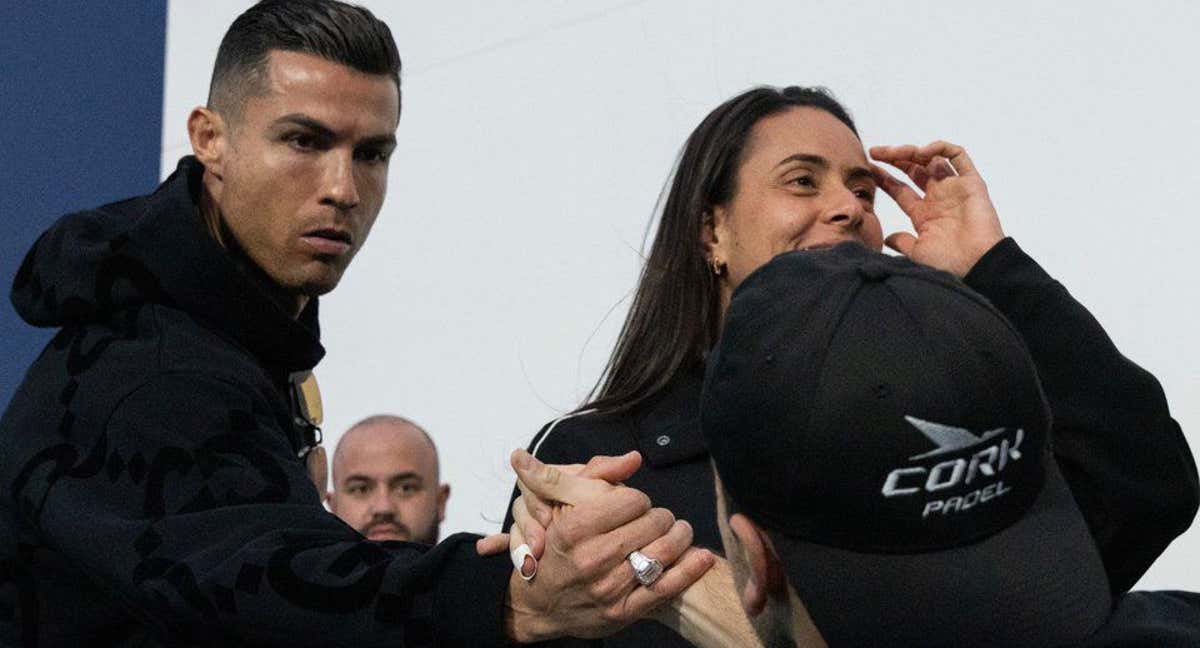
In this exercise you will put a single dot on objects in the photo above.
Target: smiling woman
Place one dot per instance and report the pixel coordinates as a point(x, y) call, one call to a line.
point(804, 183)
point(775, 170)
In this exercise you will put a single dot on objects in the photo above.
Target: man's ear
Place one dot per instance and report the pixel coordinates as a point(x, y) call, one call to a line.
point(766, 579)
point(443, 495)
point(209, 135)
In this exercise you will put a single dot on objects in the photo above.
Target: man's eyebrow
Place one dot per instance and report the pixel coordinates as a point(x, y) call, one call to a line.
point(300, 119)
point(404, 476)
point(383, 141)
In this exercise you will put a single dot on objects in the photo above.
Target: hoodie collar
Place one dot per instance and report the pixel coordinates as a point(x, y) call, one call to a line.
point(198, 275)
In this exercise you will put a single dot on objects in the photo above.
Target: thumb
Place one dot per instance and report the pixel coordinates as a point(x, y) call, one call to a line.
point(492, 545)
point(550, 483)
point(901, 242)
point(612, 469)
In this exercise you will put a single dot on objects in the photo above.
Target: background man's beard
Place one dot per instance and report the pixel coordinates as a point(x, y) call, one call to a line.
point(430, 537)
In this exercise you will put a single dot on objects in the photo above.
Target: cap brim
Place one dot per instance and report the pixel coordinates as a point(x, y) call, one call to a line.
point(1038, 582)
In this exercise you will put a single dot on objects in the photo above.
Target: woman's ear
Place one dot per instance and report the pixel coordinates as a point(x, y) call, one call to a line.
point(714, 236)
point(766, 579)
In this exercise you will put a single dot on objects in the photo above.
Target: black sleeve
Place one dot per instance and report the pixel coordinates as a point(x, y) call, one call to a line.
point(1124, 457)
point(200, 521)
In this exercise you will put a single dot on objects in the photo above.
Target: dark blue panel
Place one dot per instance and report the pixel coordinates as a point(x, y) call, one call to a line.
point(81, 93)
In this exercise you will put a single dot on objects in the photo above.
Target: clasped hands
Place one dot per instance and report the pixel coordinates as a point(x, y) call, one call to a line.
point(580, 524)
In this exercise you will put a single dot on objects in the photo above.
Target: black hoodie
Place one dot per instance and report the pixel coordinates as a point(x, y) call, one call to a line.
point(150, 487)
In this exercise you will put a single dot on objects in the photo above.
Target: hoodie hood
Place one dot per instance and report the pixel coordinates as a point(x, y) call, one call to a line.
point(90, 266)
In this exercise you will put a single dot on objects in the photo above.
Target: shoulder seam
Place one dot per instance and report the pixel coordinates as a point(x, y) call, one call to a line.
point(554, 424)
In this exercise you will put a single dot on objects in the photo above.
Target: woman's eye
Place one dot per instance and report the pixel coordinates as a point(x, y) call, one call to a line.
point(865, 194)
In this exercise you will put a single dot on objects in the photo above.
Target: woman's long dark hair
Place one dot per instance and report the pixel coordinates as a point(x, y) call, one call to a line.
point(675, 315)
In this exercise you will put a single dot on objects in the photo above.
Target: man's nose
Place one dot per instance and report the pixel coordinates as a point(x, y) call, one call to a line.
point(341, 188)
point(380, 502)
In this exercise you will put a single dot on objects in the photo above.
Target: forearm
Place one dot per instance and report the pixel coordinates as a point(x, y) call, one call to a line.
point(709, 613)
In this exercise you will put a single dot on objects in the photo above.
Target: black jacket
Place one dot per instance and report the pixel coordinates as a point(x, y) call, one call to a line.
point(150, 487)
point(1124, 457)
point(1151, 620)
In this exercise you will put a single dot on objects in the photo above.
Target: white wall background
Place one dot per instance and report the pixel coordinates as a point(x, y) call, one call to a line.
point(537, 134)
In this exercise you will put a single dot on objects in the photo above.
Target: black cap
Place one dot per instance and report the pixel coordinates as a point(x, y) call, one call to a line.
point(886, 425)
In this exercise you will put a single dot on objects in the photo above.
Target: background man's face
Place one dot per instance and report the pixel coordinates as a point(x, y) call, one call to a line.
point(385, 483)
point(305, 170)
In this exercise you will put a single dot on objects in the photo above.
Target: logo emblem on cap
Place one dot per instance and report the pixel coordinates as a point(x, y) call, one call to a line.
point(947, 437)
point(985, 465)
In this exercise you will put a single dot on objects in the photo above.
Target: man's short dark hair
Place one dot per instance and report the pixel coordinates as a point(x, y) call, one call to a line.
point(332, 30)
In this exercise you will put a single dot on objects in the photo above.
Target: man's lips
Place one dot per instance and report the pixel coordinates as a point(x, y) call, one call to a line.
point(389, 530)
point(328, 241)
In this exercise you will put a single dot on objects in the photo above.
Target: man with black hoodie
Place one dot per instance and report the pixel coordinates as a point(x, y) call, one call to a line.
point(153, 488)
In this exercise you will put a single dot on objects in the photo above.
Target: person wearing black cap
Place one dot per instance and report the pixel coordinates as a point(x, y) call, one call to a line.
point(885, 476)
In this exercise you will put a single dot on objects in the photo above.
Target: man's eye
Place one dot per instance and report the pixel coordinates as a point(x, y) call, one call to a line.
point(373, 155)
point(865, 194)
point(804, 181)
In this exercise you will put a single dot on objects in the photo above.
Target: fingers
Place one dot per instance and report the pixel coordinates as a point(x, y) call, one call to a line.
point(538, 508)
point(925, 154)
point(893, 154)
point(522, 557)
point(552, 484)
point(622, 518)
point(668, 548)
point(620, 578)
point(905, 196)
point(901, 242)
point(915, 172)
point(686, 571)
point(613, 469)
point(533, 533)
point(492, 545)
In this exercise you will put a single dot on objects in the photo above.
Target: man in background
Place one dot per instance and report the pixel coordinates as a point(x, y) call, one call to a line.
point(386, 481)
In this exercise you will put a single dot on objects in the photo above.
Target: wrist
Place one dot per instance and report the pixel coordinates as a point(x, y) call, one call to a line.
point(521, 625)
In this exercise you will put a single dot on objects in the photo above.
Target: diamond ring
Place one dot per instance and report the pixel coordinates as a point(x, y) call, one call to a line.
point(646, 569)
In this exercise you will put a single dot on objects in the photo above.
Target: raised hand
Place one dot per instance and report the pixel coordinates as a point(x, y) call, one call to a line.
point(955, 221)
